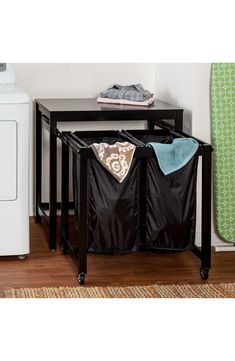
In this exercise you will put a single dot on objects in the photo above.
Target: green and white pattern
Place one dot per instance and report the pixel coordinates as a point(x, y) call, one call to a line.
point(223, 141)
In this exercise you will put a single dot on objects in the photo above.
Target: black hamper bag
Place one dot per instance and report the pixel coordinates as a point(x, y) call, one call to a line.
point(113, 207)
point(170, 208)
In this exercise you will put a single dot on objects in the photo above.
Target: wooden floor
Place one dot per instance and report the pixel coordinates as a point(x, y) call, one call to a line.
point(47, 268)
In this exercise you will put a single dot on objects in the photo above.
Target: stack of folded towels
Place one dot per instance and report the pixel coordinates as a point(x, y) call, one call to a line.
point(127, 94)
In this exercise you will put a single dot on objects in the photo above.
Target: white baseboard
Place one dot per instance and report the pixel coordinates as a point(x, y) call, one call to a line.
point(218, 244)
point(227, 248)
point(32, 210)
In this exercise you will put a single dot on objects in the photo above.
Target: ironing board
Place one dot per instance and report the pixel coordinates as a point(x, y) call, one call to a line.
point(223, 142)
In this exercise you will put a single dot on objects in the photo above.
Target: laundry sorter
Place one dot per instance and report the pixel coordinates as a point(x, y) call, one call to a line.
point(148, 211)
point(14, 163)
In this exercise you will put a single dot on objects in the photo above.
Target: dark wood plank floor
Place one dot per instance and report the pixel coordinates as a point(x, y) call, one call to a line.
point(47, 268)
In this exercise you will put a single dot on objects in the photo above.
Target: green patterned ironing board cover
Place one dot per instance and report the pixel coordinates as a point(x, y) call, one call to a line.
point(223, 142)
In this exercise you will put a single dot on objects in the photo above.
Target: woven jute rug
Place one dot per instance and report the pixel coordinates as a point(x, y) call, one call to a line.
point(221, 290)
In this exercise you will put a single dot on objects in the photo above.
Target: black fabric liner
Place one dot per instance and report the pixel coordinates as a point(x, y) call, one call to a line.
point(170, 217)
point(113, 207)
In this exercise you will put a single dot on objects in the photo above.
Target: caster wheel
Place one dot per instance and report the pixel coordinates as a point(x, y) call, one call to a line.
point(64, 251)
point(204, 272)
point(81, 278)
point(38, 219)
point(22, 257)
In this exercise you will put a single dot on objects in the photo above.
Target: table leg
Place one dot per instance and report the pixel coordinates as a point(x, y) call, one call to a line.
point(53, 185)
point(150, 124)
point(206, 209)
point(179, 120)
point(38, 162)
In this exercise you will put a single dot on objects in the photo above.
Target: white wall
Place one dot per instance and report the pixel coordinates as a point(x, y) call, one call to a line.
point(174, 85)
point(201, 125)
point(76, 80)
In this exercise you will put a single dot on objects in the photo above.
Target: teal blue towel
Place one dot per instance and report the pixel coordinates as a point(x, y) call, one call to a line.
point(174, 156)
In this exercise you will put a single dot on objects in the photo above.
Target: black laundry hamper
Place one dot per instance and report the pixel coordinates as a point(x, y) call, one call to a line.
point(147, 211)
point(170, 200)
point(113, 208)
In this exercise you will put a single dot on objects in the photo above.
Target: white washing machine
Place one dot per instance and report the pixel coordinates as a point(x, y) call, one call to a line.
point(14, 165)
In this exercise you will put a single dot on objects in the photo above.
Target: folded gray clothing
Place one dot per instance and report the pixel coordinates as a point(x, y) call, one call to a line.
point(135, 92)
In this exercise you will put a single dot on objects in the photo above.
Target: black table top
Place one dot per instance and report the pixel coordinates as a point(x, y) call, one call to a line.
point(60, 105)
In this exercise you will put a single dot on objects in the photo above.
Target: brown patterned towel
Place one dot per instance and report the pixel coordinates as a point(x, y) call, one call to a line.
point(116, 158)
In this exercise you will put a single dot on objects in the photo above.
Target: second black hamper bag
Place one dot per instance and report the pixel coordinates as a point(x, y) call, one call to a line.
point(170, 206)
point(113, 207)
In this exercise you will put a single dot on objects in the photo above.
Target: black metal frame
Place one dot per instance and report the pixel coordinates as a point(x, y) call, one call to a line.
point(71, 141)
point(46, 117)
